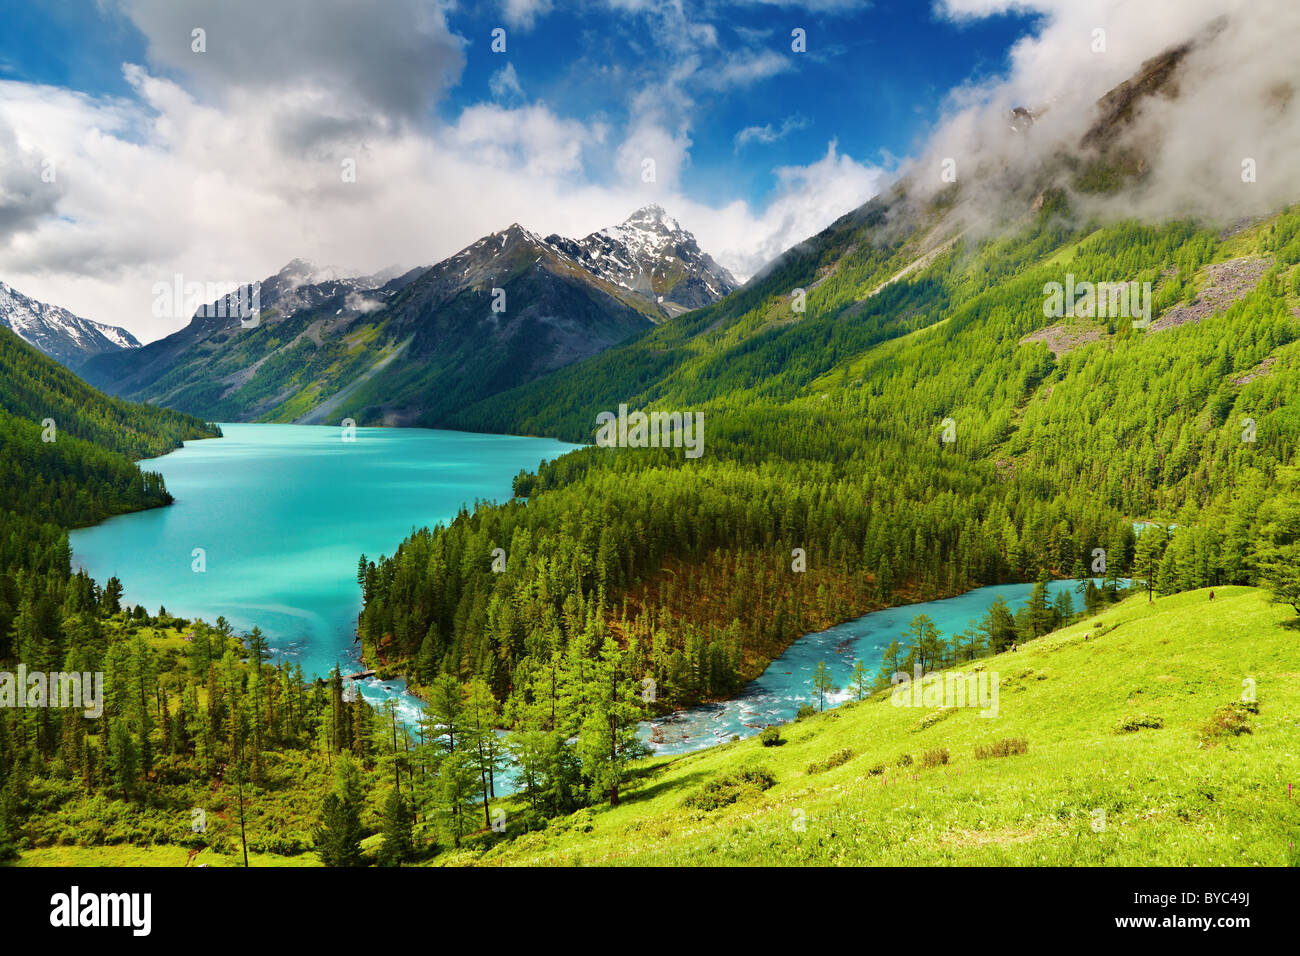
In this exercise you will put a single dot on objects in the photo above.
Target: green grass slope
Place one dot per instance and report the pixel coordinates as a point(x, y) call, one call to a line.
point(1170, 796)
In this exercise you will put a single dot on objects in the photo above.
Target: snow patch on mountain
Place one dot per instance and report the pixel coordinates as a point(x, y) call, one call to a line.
point(651, 254)
point(66, 337)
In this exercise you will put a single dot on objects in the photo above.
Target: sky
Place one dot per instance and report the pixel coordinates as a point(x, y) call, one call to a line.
point(141, 139)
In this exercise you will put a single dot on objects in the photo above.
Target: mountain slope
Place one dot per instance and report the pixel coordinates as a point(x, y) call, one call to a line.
point(650, 253)
point(418, 347)
point(1173, 796)
point(887, 269)
point(66, 460)
point(33, 387)
point(157, 370)
point(68, 338)
point(456, 345)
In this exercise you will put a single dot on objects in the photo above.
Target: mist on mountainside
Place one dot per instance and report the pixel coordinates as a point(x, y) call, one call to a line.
point(1152, 111)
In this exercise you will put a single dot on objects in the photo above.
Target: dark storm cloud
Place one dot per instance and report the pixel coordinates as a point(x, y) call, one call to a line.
point(29, 190)
point(394, 58)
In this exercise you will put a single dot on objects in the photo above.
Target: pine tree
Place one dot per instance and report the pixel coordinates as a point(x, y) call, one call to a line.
point(1039, 612)
point(399, 845)
point(338, 835)
point(426, 661)
point(125, 757)
point(999, 627)
point(111, 599)
point(925, 644)
point(1146, 561)
point(457, 785)
point(482, 711)
point(1278, 552)
point(608, 742)
point(823, 684)
point(861, 680)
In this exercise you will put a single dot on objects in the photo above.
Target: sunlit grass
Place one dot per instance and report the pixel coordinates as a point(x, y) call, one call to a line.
point(1081, 795)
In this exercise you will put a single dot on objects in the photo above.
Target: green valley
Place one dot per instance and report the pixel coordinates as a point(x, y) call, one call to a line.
point(1212, 785)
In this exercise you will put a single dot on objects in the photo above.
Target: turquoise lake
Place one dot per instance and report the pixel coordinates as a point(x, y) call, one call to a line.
point(284, 511)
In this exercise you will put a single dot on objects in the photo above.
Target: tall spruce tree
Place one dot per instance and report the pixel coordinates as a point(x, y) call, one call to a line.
point(399, 842)
point(608, 742)
point(338, 834)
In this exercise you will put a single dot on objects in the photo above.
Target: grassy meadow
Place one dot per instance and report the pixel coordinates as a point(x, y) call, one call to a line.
point(1214, 785)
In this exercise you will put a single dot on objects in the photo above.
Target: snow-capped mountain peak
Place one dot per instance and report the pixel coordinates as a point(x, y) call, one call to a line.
point(652, 218)
point(58, 333)
point(651, 254)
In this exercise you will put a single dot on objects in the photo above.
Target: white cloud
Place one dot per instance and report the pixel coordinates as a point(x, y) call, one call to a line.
point(504, 84)
point(745, 69)
point(530, 139)
point(1237, 98)
point(766, 134)
point(389, 61)
point(523, 14)
point(806, 201)
point(652, 158)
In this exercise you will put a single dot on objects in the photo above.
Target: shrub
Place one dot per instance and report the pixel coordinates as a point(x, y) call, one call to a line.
point(935, 757)
point(726, 789)
point(771, 736)
point(1230, 720)
point(834, 760)
point(904, 760)
point(877, 770)
point(805, 710)
point(579, 820)
point(932, 718)
point(1128, 725)
point(1006, 747)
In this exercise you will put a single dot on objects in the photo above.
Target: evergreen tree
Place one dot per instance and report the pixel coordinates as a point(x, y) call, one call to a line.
point(1278, 552)
point(457, 786)
point(823, 684)
point(998, 627)
point(1039, 612)
point(399, 844)
point(925, 645)
point(608, 742)
point(1146, 561)
point(481, 712)
point(338, 835)
point(861, 678)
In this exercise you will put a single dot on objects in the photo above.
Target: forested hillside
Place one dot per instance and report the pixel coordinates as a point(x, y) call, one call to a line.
point(825, 431)
point(66, 455)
